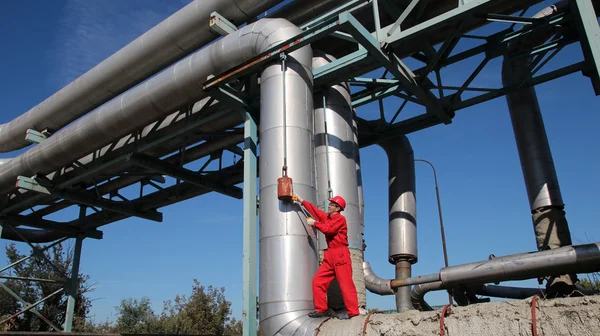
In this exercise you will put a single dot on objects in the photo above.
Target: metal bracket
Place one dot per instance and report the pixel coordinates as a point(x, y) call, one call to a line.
point(220, 25)
point(36, 137)
point(32, 184)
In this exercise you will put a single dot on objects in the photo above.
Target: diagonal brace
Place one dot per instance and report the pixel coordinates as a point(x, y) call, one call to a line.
point(16, 220)
point(27, 305)
point(185, 175)
point(42, 184)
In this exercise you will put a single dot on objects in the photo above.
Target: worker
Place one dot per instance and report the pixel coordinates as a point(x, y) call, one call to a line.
point(336, 260)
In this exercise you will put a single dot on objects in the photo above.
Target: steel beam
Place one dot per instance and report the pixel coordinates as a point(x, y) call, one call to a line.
point(27, 304)
point(589, 37)
point(221, 25)
point(74, 280)
point(164, 197)
point(402, 128)
point(185, 175)
point(35, 137)
point(250, 226)
point(42, 184)
point(33, 221)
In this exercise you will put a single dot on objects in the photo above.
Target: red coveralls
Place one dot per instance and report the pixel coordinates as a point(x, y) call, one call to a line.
point(336, 261)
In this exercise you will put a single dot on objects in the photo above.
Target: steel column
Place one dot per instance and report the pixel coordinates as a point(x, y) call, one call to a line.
point(589, 35)
point(74, 281)
point(250, 214)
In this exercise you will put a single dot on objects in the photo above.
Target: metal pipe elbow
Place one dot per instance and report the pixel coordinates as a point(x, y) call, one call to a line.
point(376, 284)
point(417, 294)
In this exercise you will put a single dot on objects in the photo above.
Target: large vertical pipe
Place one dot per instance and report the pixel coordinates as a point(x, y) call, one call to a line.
point(288, 252)
point(335, 155)
point(550, 224)
point(402, 213)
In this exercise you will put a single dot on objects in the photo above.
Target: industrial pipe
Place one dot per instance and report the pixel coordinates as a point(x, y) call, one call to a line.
point(374, 283)
point(417, 294)
point(550, 224)
point(284, 238)
point(402, 213)
point(175, 37)
point(568, 259)
point(336, 157)
point(136, 108)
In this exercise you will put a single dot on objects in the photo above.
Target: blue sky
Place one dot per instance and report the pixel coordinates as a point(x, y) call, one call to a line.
point(46, 45)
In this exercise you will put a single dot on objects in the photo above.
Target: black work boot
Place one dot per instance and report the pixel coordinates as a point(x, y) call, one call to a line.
point(317, 314)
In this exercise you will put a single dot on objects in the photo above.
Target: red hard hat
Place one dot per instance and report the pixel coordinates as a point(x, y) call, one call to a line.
point(339, 201)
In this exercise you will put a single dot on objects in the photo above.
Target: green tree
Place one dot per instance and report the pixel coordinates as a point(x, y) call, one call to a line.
point(136, 317)
point(57, 269)
point(206, 311)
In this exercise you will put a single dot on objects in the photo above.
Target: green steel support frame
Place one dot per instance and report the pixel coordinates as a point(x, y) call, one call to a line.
point(249, 306)
point(74, 280)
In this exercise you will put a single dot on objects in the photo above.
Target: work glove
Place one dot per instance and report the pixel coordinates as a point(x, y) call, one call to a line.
point(297, 199)
point(310, 221)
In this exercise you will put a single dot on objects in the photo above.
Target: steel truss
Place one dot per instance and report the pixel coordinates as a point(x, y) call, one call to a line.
point(142, 159)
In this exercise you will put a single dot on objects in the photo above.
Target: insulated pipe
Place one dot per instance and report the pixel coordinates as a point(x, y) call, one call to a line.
point(335, 155)
point(550, 224)
point(532, 142)
point(288, 249)
point(157, 97)
point(402, 213)
point(174, 124)
point(374, 283)
point(508, 292)
point(298, 12)
point(402, 200)
point(4, 161)
point(567, 259)
point(417, 294)
point(175, 37)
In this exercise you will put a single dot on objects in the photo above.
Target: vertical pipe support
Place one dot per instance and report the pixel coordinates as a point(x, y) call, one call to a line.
point(376, 20)
point(74, 280)
point(402, 213)
point(539, 173)
point(250, 213)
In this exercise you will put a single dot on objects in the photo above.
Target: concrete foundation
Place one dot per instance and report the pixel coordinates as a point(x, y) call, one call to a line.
point(564, 316)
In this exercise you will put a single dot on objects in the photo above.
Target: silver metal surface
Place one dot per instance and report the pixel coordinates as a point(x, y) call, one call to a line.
point(402, 200)
point(177, 36)
point(142, 105)
point(299, 12)
point(417, 294)
point(336, 156)
point(508, 292)
point(528, 125)
point(403, 271)
point(374, 283)
point(563, 260)
point(288, 251)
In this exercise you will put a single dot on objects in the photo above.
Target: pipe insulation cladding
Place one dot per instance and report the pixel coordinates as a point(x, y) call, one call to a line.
point(402, 202)
point(164, 93)
point(172, 39)
point(336, 172)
